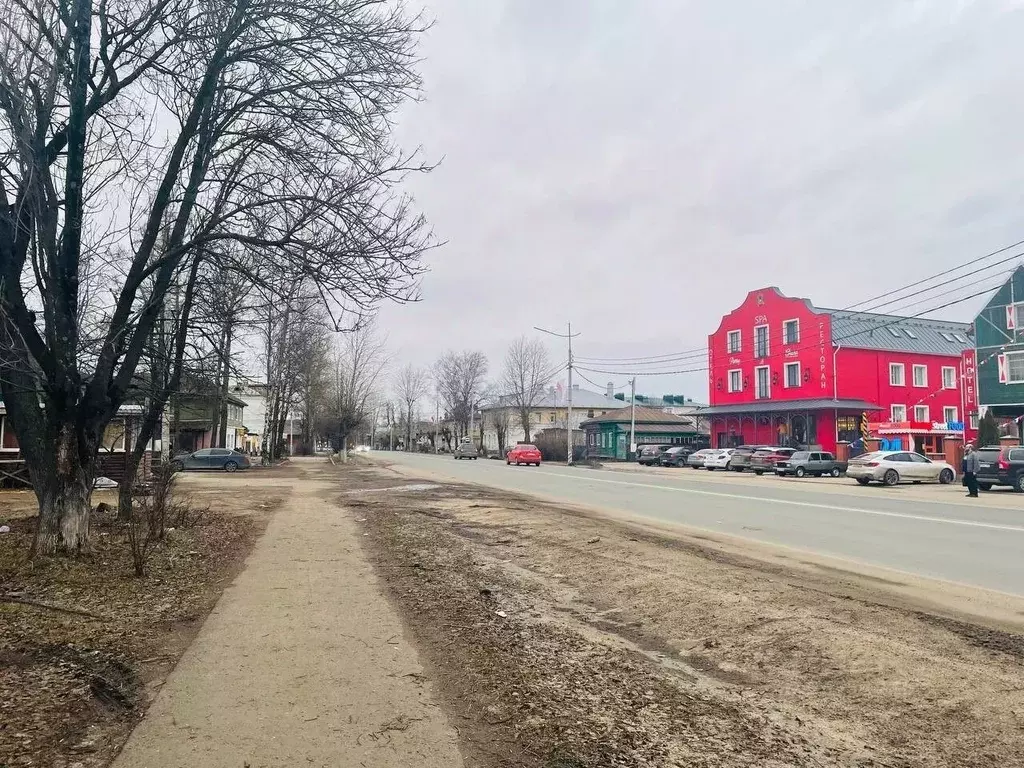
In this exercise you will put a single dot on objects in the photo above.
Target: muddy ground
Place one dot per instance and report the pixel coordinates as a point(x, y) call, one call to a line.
point(560, 639)
point(84, 643)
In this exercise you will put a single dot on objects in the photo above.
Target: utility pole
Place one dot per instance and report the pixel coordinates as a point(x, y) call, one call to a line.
point(568, 415)
point(437, 423)
point(632, 416)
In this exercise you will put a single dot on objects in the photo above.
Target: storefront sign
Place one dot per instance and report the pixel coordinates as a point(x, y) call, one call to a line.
point(917, 427)
point(821, 354)
point(969, 380)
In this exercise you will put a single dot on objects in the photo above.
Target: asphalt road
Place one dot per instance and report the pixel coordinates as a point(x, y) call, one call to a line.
point(926, 531)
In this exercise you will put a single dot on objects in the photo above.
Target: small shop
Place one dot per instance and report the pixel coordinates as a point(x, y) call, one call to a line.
point(924, 437)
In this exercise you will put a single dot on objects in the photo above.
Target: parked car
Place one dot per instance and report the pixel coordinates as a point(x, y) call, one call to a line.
point(1000, 466)
point(814, 463)
point(210, 458)
point(893, 467)
point(675, 456)
point(765, 459)
point(741, 457)
point(721, 459)
point(466, 451)
point(650, 455)
point(696, 459)
point(524, 453)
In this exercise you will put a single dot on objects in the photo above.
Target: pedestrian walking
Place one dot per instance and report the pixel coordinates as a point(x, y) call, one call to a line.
point(971, 464)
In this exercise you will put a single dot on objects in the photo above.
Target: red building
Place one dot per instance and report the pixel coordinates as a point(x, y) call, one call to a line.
point(784, 372)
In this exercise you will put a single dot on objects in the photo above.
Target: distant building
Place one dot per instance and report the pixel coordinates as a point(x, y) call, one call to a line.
point(607, 436)
point(549, 413)
point(783, 371)
point(998, 362)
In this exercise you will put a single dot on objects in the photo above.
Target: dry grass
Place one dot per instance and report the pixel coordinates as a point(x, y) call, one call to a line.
point(77, 674)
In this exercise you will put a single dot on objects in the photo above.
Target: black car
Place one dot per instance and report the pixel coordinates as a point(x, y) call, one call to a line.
point(1001, 466)
point(675, 456)
point(649, 455)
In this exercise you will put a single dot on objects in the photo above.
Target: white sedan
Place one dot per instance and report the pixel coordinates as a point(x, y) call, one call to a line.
point(894, 467)
point(718, 459)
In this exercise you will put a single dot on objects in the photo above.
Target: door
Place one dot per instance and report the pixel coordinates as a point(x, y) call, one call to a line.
point(620, 451)
point(817, 463)
point(218, 456)
point(922, 468)
point(199, 459)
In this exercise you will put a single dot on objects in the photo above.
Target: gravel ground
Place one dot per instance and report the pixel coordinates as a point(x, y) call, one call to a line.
point(561, 639)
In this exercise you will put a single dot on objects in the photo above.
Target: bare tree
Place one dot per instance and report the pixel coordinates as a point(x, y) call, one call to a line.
point(500, 418)
point(137, 136)
point(527, 371)
point(411, 386)
point(460, 383)
point(359, 363)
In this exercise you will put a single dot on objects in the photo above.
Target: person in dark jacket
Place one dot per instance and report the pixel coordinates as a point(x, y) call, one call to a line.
point(971, 464)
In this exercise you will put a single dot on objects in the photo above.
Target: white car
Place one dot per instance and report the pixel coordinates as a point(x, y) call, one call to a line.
point(720, 459)
point(894, 467)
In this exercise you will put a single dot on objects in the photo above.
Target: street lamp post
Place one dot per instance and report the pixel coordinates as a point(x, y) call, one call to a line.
point(568, 415)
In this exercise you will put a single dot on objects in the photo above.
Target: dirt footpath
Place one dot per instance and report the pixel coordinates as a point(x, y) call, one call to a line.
point(560, 639)
point(302, 663)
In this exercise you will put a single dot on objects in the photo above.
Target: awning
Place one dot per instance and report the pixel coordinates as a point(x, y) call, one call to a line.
point(916, 428)
point(788, 406)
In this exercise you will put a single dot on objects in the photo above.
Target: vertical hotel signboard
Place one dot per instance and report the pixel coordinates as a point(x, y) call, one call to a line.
point(969, 386)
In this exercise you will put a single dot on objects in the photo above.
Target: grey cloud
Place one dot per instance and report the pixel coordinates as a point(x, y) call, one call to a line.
point(638, 167)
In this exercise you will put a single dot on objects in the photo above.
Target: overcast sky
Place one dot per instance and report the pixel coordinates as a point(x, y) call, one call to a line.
point(638, 167)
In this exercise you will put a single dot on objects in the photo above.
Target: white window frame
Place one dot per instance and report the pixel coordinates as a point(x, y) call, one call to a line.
point(785, 375)
point(739, 342)
point(972, 420)
point(768, 381)
point(903, 375)
point(913, 375)
point(921, 409)
point(945, 414)
point(951, 370)
point(4, 423)
point(787, 322)
point(892, 412)
point(1009, 378)
point(767, 342)
point(739, 377)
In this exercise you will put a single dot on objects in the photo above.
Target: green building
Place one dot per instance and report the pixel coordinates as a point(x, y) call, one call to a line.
point(607, 436)
point(999, 351)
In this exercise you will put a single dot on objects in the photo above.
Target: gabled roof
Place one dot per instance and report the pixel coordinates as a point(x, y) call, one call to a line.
point(867, 330)
point(643, 416)
point(581, 398)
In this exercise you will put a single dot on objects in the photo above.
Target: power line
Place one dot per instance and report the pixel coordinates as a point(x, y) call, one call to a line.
point(682, 356)
point(890, 321)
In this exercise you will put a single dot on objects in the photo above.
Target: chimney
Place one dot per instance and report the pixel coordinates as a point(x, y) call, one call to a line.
point(610, 392)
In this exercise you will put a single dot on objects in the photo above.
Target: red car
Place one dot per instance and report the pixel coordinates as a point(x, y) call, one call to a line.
point(523, 454)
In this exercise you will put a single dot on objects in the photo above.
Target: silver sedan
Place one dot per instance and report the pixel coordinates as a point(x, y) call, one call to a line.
point(894, 467)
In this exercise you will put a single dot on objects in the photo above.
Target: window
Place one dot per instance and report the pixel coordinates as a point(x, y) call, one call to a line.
point(791, 332)
point(551, 418)
point(760, 341)
point(762, 375)
point(948, 377)
point(113, 436)
point(947, 336)
point(736, 380)
point(590, 414)
point(9, 441)
point(921, 413)
point(949, 414)
point(1014, 368)
point(959, 338)
point(920, 375)
point(894, 332)
point(898, 413)
point(896, 375)
point(734, 343)
point(910, 333)
point(792, 374)
point(1016, 454)
point(973, 419)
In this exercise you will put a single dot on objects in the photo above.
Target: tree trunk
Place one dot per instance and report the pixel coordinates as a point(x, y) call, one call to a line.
point(224, 389)
point(65, 498)
point(524, 418)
